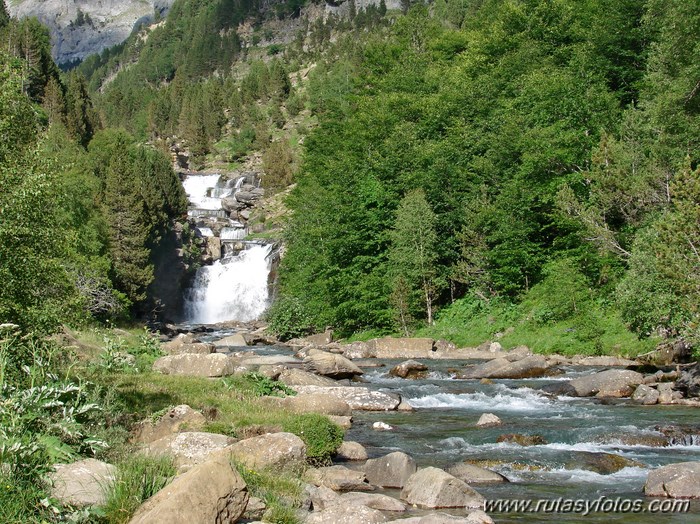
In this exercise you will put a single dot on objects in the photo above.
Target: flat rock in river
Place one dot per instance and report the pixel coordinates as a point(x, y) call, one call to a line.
point(331, 365)
point(527, 367)
point(434, 488)
point(361, 398)
point(213, 365)
point(680, 480)
point(609, 383)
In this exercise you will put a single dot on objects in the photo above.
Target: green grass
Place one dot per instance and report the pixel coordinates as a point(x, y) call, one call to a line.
point(592, 330)
point(20, 501)
point(138, 478)
point(283, 493)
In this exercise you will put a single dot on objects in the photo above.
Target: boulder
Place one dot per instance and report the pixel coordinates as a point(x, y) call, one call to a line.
point(320, 403)
point(409, 369)
point(382, 426)
point(665, 390)
point(178, 419)
point(321, 496)
point(180, 340)
point(527, 367)
point(518, 353)
point(350, 450)
point(235, 340)
point(389, 347)
point(273, 450)
point(679, 481)
point(522, 440)
point(331, 365)
point(320, 339)
point(601, 463)
point(689, 381)
point(188, 449)
point(390, 471)
point(358, 350)
point(371, 500)
point(214, 365)
point(271, 371)
point(487, 420)
point(210, 492)
point(645, 395)
point(343, 422)
point(680, 435)
point(299, 377)
point(81, 483)
point(361, 398)
point(609, 383)
point(346, 513)
point(338, 478)
point(435, 488)
point(472, 474)
point(604, 361)
point(255, 509)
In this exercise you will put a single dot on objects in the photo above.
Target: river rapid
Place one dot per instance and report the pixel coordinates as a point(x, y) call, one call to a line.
point(442, 431)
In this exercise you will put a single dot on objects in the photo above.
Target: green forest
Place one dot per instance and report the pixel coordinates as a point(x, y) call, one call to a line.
point(471, 170)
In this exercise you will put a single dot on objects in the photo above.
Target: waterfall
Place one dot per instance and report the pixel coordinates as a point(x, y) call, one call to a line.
point(234, 288)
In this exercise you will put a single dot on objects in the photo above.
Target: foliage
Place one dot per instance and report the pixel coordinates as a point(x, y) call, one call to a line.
point(282, 492)
point(262, 386)
point(288, 318)
point(138, 478)
point(321, 436)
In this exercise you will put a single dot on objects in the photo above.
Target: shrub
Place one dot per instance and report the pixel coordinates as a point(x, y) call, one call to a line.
point(321, 436)
point(288, 318)
point(281, 492)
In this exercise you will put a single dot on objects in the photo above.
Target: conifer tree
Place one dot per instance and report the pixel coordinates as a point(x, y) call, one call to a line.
point(4, 14)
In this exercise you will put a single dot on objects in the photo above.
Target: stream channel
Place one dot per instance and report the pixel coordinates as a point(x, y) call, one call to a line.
point(442, 431)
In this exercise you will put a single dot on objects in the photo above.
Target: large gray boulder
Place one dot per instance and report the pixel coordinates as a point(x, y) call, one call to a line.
point(299, 377)
point(390, 347)
point(350, 451)
point(274, 451)
point(390, 471)
point(409, 369)
point(320, 403)
point(361, 398)
point(371, 500)
point(528, 367)
point(474, 517)
point(435, 488)
point(338, 478)
point(210, 492)
point(179, 419)
point(645, 395)
point(689, 381)
point(214, 365)
point(346, 513)
point(331, 365)
point(609, 383)
point(472, 474)
point(235, 340)
point(678, 481)
point(189, 449)
point(81, 483)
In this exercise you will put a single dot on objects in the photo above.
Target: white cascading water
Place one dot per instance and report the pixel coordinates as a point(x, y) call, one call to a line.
point(236, 286)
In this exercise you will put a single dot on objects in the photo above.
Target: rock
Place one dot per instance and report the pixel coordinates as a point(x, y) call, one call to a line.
point(487, 420)
point(560, 388)
point(350, 450)
point(371, 500)
point(331, 365)
point(299, 377)
point(650, 440)
point(361, 398)
point(435, 488)
point(601, 463)
point(604, 361)
point(180, 340)
point(346, 513)
point(381, 426)
point(472, 474)
point(320, 403)
point(665, 390)
point(689, 381)
point(255, 509)
point(444, 346)
point(275, 451)
point(320, 339)
point(474, 517)
point(409, 369)
point(338, 478)
point(197, 348)
point(522, 440)
point(321, 496)
point(210, 492)
point(343, 422)
point(527, 367)
point(518, 353)
point(190, 448)
point(389, 347)
point(491, 347)
point(645, 395)
point(610, 383)
point(235, 340)
point(81, 483)
point(680, 435)
point(405, 406)
point(358, 350)
point(214, 365)
point(178, 419)
point(390, 471)
point(680, 480)
point(271, 371)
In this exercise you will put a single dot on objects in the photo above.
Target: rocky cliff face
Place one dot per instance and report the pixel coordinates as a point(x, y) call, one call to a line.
point(82, 27)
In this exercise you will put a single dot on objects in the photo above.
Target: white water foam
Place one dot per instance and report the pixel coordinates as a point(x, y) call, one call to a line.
point(521, 400)
point(234, 288)
point(199, 189)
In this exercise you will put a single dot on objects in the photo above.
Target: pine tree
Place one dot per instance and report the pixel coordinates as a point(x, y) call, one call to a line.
point(81, 119)
point(4, 14)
